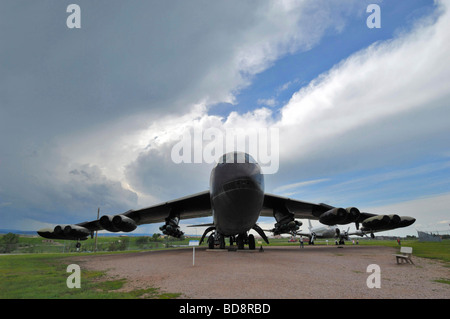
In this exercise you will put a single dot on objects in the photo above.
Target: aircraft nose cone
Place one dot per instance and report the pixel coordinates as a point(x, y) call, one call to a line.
point(237, 210)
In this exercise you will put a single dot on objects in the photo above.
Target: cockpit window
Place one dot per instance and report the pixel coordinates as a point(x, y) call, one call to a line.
point(236, 157)
point(249, 159)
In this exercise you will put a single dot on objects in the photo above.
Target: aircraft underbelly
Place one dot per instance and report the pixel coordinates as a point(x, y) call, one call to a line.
point(236, 211)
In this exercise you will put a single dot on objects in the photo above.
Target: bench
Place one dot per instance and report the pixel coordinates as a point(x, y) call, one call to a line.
point(405, 256)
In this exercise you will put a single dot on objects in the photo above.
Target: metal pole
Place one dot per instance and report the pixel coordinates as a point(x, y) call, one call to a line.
point(98, 214)
point(193, 256)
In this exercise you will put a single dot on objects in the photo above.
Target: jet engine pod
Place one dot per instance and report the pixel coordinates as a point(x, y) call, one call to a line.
point(106, 222)
point(406, 221)
point(76, 231)
point(59, 229)
point(333, 216)
point(376, 222)
point(352, 215)
point(124, 223)
point(394, 220)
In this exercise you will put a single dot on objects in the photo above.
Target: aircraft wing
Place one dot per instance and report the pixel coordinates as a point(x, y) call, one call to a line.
point(300, 209)
point(286, 209)
point(193, 206)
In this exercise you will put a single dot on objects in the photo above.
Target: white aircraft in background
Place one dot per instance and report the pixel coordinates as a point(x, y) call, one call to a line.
point(325, 232)
point(339, 235)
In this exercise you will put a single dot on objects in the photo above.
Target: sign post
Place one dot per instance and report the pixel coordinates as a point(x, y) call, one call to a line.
point(193, 243)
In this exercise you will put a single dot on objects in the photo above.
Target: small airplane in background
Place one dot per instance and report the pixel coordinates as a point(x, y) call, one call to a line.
point(326, 231)
point(333, 231)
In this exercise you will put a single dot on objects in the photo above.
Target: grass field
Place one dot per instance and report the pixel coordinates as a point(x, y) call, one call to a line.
point(44, 275)
point(34, 244)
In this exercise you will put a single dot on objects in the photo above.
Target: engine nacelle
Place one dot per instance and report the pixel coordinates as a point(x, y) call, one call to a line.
point(333, 216)
point(124, 223)
point(51, 234)
point(117, 223)
point(387, 222)
point(352, 215)
point(406, 221)
point(106, 222)
point(59, 229)
point(381, 221)
point(394, 220)
point(76, 231)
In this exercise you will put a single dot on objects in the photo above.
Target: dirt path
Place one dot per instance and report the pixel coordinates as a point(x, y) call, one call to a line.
point(278, 272)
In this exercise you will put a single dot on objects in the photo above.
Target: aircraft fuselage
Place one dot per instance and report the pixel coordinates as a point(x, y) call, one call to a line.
point(237, 193)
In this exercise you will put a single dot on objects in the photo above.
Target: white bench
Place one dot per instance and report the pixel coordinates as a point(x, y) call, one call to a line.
point(405, 256)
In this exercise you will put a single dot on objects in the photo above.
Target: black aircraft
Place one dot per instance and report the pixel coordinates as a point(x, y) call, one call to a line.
point(236, 200)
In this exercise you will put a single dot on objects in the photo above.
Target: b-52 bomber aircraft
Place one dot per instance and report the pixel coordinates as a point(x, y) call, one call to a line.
point(236, 200)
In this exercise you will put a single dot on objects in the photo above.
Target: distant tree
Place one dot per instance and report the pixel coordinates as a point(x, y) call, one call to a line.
point(156, 236)
point(8, 242)
point(123, 244)
point(113, 246)
point(142, 241)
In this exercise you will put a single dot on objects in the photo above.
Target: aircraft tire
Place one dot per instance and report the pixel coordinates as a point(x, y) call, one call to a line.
point(222, 242)
point(240, 242)
point(211, 241)
point(251, 242)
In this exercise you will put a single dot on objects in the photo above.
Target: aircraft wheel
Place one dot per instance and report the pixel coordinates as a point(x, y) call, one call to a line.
point(240, 242)
point(211, 241)
point(222, 242)
point(251, 242)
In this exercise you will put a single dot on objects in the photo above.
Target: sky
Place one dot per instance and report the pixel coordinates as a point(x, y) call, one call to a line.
point(89, 116)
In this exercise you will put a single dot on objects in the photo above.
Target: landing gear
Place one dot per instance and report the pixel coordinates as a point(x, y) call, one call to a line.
point(216, 239)
point(221, 242)
point(251, 242)
point(78, 245)
point(211, 241)
point(240, 241)
point(243, 239)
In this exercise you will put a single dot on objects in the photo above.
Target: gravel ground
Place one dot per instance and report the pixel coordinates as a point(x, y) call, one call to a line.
point(278, 272)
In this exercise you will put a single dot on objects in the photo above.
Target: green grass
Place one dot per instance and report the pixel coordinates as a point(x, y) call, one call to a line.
point(443, 281)
point(432, 250)
point(35, 244)
point(44, 276)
